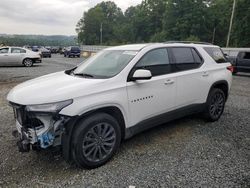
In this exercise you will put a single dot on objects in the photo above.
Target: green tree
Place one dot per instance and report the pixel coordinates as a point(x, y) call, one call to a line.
point(241, 24)
point(106, 14)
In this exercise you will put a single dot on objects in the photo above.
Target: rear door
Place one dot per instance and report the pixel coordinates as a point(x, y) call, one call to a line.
point(192, 79)
point(243, 63)
point(16, 56)
point(4, 56)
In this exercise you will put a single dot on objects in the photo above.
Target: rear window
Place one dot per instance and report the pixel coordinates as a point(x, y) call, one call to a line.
point(216, 54)
point(75, 48)
point(246, 55)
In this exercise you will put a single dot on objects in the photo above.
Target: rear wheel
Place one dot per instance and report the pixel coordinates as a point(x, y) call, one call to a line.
point(95, 140)
point(28, 62)
point(215, 105)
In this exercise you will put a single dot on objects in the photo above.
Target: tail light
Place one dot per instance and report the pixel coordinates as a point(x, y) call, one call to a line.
point(230, 68)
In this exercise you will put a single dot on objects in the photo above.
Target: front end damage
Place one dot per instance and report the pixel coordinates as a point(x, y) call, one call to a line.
point(38, 129)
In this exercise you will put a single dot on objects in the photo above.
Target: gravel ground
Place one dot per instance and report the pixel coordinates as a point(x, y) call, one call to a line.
point(183, 153)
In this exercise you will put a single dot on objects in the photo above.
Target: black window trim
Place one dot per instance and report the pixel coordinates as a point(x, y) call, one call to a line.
point(192, 47)
point(134, 67)
point(6, 48)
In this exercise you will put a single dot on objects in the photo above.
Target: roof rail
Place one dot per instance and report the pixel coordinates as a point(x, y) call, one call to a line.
point(189, 42)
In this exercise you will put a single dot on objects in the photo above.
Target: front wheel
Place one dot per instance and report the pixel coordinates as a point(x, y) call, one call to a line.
point(215, 104)
point(27, 62)
point(95, 140)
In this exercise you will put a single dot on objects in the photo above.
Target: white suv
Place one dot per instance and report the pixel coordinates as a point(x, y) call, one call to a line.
point(117, 93)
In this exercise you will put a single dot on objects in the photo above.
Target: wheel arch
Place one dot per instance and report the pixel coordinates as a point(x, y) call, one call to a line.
point(223, 85)
point(114, 111)
point(27, 58)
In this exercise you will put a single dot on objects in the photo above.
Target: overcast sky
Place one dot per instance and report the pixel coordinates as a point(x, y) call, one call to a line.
point(48, 17)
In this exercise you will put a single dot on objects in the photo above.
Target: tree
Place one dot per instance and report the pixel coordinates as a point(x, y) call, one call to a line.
point(106, 14)
point(241, 24)
point(163, 20)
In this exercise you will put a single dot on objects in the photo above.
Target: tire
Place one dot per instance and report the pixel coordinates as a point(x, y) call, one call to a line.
point(28, 62)
point(90, 150)
point(215, 105)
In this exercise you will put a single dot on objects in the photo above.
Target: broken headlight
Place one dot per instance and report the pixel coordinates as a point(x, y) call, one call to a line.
point(49, 107)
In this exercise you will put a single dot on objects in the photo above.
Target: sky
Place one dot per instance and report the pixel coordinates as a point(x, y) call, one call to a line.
point(47, 17)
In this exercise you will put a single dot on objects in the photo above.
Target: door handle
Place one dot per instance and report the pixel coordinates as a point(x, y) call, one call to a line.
point(169, 82)
point(205, 74)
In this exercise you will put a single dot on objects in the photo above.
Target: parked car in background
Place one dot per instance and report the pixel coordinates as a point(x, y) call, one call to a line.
point(241, 62)
point(45, 52)
point(72, 51)
point(62, 50)
point(54, 50)
point(48, 48)
point(35, 48)
point(10, 56)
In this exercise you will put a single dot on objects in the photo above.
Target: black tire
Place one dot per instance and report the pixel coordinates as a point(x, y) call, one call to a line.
point(28, 62)
point(215, 105)
point(95, 140)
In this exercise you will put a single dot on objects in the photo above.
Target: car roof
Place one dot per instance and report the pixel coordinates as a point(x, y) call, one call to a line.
point(138, 47)
point(134, 47)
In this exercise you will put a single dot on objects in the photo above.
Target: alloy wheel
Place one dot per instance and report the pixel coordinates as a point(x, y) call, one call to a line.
point(99, 142)
point(217, 105)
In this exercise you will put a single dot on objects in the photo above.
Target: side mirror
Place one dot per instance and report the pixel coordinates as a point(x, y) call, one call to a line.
point(141, 74)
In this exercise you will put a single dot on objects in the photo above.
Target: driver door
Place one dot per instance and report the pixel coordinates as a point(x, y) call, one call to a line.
point(149, 98)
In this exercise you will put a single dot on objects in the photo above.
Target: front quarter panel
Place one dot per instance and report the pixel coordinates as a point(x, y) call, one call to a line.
point(116, 97)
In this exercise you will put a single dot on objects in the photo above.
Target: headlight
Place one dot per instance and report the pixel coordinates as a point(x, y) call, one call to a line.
point(50, 107)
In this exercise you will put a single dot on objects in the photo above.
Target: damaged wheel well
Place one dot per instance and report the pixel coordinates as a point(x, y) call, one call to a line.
point(71, 126)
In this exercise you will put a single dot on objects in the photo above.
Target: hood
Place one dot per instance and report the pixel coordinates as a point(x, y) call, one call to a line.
point(53, 88)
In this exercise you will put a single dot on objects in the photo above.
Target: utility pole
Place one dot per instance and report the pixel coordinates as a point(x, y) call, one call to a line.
point(101, 34)
point(213, 35)
point(231, 23)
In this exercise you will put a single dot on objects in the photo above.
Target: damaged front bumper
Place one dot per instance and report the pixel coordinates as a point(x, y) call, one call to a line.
point(38, 130)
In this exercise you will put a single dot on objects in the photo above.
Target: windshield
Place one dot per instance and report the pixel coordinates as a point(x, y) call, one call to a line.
point(105, 64)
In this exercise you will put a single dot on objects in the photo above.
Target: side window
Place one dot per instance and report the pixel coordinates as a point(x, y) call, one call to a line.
point(157, 61)
point(4, 50)
point(216, 54)
point(17, 50)
point(186, 58)
point(197, 57)
point(246, 55)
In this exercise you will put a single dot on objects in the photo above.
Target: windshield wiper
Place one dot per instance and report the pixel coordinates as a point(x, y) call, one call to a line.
point(84, 75)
